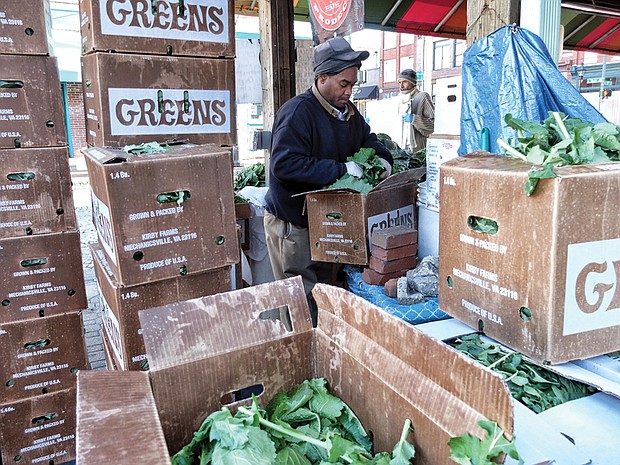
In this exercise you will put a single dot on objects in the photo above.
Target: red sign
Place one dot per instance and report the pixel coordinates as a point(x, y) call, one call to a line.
point(330, 14)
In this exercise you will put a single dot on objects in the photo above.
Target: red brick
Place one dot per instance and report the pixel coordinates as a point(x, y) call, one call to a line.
point(395, 253)
point(370, 276)
point(395, 236)
point(402, 264)
point(391, 288)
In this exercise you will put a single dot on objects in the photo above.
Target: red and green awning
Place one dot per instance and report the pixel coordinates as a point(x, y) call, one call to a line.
point(592, 25)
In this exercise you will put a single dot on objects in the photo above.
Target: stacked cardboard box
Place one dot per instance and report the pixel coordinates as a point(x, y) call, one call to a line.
point(165, 221)
point(41, 278)
point(393, 253)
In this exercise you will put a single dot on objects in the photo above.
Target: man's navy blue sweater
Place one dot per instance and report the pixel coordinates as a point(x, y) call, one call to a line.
point(309, 147)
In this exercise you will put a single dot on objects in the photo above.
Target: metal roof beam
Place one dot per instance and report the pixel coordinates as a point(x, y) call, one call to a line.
point(604, 36)
point(447, 17)
point(597, 10)
point(391, 12)
point(579, 28)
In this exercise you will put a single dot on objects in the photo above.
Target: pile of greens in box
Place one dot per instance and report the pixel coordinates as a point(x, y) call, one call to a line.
point(560, 141)
point(307, 426)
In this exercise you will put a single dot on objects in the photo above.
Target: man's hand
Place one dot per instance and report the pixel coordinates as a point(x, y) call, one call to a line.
point(388, 168)
point(354, 169)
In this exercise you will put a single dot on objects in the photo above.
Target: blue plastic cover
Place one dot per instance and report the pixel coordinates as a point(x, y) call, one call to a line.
point(511, 71)
point(423, 312)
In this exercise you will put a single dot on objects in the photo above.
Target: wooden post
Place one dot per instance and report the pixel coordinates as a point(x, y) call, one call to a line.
point(486, 16)
point(277, 54)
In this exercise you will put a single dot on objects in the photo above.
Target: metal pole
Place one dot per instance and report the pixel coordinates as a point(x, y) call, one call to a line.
point(600, 95)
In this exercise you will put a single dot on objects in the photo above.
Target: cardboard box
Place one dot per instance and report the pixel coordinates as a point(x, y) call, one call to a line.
point(546, 283)
point(341, 221)
point(31, 108)
point(41, 276)
point(145, 236)
point(36, 196)
point(243, 213)
point(120, 305)
point(439, 149)
point(39, 430)
point(173, 99)
point(41, 356)
point(204, 28)
point(107, 351)
point(568, 434)
point(383, 368)
point(25, 31)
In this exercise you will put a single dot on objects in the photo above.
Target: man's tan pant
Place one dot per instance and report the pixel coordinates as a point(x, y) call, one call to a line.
point(289, 252)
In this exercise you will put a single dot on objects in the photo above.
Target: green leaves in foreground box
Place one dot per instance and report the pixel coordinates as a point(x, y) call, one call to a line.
point(560, 141)
point(304, 426)
point(469, 450)
point(534, 386)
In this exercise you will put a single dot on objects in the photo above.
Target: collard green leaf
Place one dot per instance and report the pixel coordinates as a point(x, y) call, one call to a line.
point(258, 450)
point(349, 182)
point(326, 405)
point(291, 456)
point(470, 450)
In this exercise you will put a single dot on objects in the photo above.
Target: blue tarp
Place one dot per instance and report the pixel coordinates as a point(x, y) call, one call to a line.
point(422, 312)
point(511, 71)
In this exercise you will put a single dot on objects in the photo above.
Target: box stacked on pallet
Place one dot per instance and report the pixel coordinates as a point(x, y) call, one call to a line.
point(393, 253)
point(41, 279)
point(159, 76)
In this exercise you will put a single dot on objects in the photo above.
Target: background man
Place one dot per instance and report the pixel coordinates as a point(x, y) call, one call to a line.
point(417, 112)
point(312, 136)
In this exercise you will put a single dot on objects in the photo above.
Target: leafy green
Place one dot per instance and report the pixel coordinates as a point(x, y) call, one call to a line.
point(537, 388)
point(470, 450)
point(403, 159)
point(560, 141)
point(305, 426)
point(253, 175)
point(351, 182)
point(146, 148)
point(371, 165)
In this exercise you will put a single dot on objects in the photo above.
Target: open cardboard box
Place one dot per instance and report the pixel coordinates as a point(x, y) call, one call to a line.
point(341, 221)
point(204, 351)
point(578, 432)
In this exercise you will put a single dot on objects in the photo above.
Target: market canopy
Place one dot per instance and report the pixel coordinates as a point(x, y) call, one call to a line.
point(591, 25)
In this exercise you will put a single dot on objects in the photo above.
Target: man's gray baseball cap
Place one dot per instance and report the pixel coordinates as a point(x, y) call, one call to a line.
point(335, 55)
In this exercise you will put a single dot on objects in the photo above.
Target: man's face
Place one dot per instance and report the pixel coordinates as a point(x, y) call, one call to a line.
point(404, 84)
point(337, 88)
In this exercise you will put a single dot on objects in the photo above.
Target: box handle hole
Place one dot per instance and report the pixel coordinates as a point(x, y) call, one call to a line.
point(6, 303)
point(33, 262)
point(29, 231)
point(183, 270)
point(179, 197)
point(29, 31)
point(50, 124)
point(483, 225)
point(139, 255)
point(44, 418)
point(333, 216)
point(37, 344)
point(242, 394)
point(481, 326)
point(11, 84)
point(282, 314)
point(450, 282)
point(19, 177)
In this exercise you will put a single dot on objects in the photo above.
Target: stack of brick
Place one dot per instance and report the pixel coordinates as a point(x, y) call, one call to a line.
point(42, 289)
point(159, 74)
point(393, 253)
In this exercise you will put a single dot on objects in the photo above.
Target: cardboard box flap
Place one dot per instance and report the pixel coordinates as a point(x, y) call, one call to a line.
point(196, 329)
point(426, 362)
point(397, 179)
point(109, 155)
point(120, 423)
